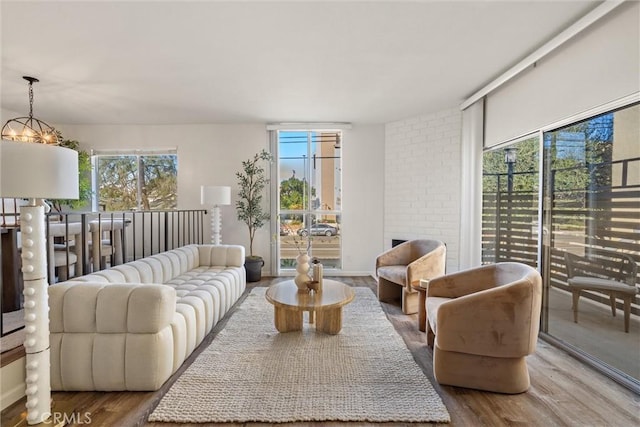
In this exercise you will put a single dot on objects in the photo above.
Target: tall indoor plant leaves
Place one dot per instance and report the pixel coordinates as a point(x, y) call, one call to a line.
point(252, 181)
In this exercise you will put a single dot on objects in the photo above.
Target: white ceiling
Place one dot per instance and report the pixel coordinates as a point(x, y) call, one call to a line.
point(185, 62)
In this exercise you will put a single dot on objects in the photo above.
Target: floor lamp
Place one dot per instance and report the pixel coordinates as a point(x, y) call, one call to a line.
point(216, 197)
point(37, 171)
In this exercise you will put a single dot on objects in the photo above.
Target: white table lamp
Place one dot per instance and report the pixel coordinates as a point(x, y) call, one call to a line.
point(36, 171)
point(216, 197)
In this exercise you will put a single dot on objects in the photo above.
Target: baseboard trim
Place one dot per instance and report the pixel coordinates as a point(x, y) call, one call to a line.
point(13, 380)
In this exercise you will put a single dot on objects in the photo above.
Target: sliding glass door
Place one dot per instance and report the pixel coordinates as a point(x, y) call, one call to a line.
point(592, 213)
point(579, 219)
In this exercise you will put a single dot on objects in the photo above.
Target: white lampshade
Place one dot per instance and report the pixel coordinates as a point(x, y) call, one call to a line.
point(215, 196)
point(38, 171)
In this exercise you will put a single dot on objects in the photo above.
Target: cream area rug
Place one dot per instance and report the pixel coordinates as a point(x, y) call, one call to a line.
point(252, 373)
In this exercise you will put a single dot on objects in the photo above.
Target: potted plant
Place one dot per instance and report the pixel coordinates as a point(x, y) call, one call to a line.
point(252, 180)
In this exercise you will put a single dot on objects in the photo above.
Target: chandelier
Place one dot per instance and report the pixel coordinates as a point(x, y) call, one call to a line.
point(29, 129)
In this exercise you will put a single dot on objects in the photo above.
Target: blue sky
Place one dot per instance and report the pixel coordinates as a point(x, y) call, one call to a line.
point(296, 150)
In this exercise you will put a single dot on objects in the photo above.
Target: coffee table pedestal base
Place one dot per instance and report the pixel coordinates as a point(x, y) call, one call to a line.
point(324, 308)
point(327, 321)
point(287, 320)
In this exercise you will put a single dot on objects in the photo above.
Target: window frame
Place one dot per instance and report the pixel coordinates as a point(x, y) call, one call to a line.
point(137, 153)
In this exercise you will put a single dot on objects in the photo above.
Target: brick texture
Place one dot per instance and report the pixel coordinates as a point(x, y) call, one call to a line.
point(422, 180)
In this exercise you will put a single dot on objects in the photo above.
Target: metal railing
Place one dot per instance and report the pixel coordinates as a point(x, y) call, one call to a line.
point(125, 236)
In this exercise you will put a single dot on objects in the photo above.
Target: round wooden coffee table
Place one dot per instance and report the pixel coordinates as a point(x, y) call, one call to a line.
point(289, 304)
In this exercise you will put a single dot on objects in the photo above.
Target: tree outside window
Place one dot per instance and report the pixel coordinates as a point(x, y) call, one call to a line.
point(136, 182)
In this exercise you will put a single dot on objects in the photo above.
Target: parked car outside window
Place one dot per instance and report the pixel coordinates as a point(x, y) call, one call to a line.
point(319, 230)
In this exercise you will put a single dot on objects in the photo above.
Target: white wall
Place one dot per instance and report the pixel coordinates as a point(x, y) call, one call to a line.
point(9, 114)
point(422, 180)
point(211, 154)
point(363, 197)
point(207, 154)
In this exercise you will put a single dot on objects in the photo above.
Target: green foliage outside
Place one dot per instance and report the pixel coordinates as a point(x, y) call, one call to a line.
point(570, 150)
point(159, 182)
point(578, 159)
point(292, 194)
point(120, 176)
point(525, 168)
point(571, 168)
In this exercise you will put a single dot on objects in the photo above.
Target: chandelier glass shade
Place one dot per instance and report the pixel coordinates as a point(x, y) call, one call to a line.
point(29, 129)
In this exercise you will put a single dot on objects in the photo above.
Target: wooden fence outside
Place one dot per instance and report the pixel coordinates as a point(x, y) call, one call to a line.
point(581, 220)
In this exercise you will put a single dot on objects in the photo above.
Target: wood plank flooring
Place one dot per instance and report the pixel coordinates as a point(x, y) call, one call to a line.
point(564, 392)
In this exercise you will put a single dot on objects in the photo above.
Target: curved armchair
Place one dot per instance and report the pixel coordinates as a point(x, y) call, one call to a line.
point(482, 323)
point(400, 267)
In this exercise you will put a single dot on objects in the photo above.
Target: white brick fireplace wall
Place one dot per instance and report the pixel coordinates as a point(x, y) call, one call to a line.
point(422, 180)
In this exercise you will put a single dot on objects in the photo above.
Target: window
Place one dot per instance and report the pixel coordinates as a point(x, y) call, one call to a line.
point(310, 196)
point(510, 203)
point(139, 181)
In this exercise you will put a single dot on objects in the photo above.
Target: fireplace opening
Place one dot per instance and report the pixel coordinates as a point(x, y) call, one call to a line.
point(396, 242)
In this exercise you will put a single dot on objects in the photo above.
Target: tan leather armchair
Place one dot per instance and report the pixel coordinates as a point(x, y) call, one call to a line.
point(401, 266)
point(482, 323)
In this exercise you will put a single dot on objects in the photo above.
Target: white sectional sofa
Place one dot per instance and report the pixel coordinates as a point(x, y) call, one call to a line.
point(130, 327)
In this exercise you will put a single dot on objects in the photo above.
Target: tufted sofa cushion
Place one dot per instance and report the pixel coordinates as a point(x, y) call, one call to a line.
point(131, 326)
